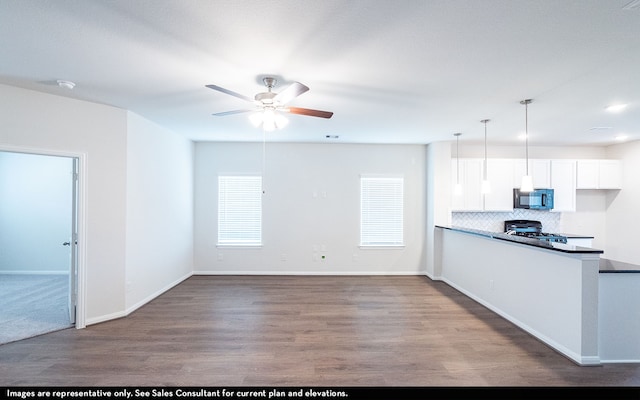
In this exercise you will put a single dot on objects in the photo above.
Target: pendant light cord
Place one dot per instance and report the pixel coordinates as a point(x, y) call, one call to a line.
point(458, 159)
point(526, 132)
point(264, 156)
point(485, 148)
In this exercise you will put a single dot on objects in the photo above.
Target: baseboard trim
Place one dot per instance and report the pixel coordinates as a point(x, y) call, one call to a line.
point(309, 273)
point(152, 296)
point(129, 310)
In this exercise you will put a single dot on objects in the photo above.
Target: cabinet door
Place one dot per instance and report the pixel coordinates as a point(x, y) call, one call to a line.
point(563, 183)
point(500, 174)
point(540, 171)
point(610, 174)
point(470, 176)
point(583, 242)
point(457, 199)
point(473, 184)
point(519, 170)
point(587, 174)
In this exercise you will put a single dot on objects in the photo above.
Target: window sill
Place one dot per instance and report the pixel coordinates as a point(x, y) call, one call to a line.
point(239, 246)
point(382, 247)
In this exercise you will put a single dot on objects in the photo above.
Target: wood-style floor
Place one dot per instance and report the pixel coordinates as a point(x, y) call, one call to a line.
point(302, 331)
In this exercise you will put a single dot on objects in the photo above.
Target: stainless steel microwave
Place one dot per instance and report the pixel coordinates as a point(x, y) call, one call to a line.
point(539, 199)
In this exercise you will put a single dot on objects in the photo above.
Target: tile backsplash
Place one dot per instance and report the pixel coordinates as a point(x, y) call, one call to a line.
point(494, 221)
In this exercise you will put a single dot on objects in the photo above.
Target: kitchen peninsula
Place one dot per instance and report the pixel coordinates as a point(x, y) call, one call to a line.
point(548, 289)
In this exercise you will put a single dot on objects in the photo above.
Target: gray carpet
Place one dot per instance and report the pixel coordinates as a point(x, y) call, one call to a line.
point(31, 305)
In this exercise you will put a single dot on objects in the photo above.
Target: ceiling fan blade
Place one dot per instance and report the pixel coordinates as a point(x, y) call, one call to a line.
point(309, 112)
point(292, 91)
point(227, 91)
point(221, 114)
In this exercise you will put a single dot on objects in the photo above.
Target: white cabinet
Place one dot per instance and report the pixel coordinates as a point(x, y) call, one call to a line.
point(564, 176)
point(500, 172)
point(598, 174)
point(583, 242)
point(540, 173)
point(563, 183)
point(539, 169)
point(587, 174)
point(610, 174)
point(470, 178)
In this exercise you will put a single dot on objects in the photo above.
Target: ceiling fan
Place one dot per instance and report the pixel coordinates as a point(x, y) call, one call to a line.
point(269, 103)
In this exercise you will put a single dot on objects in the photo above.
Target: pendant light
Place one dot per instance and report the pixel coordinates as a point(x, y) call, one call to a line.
point(457, 190)
point(486, 185)
point(527, 181)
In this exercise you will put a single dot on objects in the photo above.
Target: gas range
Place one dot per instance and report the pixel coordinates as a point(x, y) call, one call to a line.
point(531, 229)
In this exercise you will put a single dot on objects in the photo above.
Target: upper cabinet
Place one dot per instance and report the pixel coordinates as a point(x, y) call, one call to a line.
point(563, 183)
point(539, 169)
point(470, 178)
point(564, 176)
point(541, 173)
point(598, 174)
point(501, 174)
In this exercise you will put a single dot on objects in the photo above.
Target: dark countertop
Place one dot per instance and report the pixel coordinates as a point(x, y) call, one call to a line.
point(575, 236)
point(562, 247)
point(608, 266)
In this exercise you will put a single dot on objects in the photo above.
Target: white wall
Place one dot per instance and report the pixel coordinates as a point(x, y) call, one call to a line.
point(623, 212)
point(35, 213)
point(138, 181)
point(41, 122)
point(311, 202)
point(159, 210)
point(438, 201)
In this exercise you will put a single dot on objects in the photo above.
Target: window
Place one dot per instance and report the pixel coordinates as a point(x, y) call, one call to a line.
point(240, 210)
point(381, 211)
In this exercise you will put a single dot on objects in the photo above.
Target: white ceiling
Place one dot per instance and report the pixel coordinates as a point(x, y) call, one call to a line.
point(404, 71)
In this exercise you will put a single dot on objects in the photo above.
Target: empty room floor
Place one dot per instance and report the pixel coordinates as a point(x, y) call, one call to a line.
point(302, 331)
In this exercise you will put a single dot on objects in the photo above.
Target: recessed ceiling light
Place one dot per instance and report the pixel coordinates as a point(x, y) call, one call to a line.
point(66, 84)
point(616, 107)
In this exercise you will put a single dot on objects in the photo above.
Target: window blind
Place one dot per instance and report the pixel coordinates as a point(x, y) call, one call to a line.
point(240, 210)
point(381, 211)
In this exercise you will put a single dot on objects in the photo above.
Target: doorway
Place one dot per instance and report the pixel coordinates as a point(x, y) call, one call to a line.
point(38, 243)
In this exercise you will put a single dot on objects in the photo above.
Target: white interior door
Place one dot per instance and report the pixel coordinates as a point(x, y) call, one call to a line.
point(73, 270)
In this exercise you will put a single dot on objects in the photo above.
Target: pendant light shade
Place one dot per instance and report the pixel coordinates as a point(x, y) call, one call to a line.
point(527, 181)
point(457, 190)
point(486, 185)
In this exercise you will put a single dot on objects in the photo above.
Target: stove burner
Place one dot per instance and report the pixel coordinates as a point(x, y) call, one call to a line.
point(531, 229)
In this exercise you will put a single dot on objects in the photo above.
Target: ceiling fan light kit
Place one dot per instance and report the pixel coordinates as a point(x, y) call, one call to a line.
point(65, 84)
point(270, 105)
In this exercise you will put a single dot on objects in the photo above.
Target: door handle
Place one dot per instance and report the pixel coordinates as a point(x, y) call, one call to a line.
point(66, 244)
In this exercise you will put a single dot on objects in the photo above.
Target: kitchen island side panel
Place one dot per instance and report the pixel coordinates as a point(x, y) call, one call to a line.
point(619, 317)
point(550, 294)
